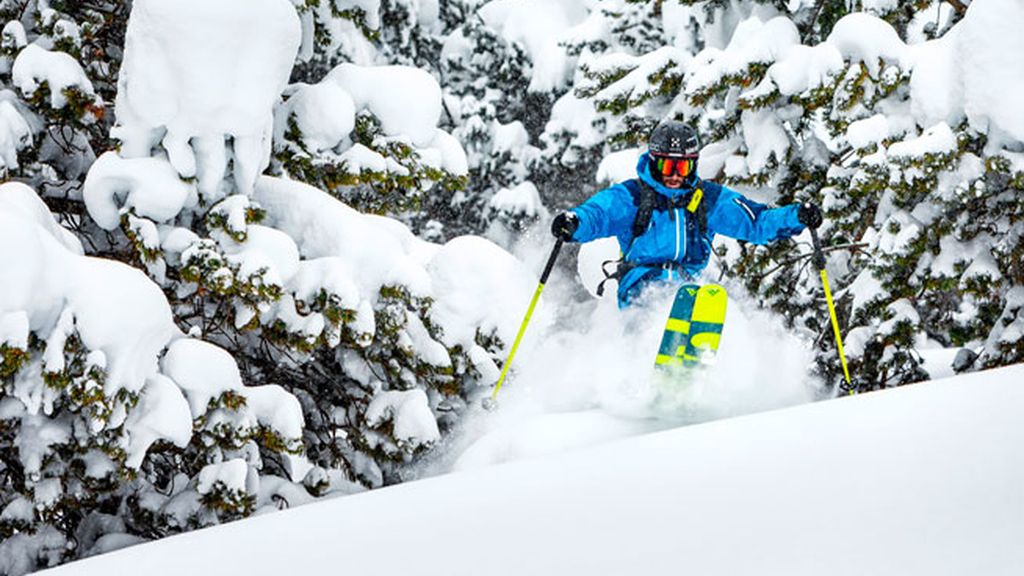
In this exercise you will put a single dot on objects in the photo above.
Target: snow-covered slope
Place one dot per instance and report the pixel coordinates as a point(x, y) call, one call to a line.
point(924, 479)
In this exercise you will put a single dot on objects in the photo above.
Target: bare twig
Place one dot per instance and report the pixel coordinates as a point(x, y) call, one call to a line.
point(850, 246)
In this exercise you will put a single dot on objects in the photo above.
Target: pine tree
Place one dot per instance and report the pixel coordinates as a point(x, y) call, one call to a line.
point(785, 143)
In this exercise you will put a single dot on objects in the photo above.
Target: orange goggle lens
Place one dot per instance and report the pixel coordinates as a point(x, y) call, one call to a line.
point(681, 166)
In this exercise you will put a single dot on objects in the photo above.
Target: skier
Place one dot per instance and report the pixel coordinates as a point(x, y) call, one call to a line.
point(666, 218)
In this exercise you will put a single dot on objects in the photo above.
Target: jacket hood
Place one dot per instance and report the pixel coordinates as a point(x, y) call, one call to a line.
point(643, 171)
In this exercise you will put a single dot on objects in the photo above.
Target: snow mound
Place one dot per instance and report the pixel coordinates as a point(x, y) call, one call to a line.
point(149, 187)
point(931, 491)
point(386, 91)
point(124, 322)
point(475, 284)
point(175, 89)
point(539, 25)
point(36, 65)
point(406, 101)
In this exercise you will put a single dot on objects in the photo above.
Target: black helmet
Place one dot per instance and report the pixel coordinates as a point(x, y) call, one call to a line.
point(673, 139)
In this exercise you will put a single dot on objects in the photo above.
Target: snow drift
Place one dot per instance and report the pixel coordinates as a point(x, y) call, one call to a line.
point(915, 480)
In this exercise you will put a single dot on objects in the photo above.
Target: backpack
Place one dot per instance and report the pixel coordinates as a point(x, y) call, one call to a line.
point(647, 200)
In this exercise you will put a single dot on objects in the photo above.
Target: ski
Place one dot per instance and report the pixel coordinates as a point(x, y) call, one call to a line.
point(694, 327)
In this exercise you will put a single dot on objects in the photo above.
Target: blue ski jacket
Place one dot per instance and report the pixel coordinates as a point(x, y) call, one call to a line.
point(674, 246)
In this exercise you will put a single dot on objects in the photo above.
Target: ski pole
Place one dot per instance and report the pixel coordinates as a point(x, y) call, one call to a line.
point(522, 328)
point(819, 262)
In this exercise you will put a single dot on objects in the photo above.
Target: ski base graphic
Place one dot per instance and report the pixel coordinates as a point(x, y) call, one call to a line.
point(694, 328)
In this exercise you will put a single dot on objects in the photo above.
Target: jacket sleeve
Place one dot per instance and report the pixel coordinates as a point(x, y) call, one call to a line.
point(610, 212)
point(738, 217)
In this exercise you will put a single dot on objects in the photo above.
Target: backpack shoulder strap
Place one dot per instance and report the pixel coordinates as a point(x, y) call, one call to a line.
point(646, 201)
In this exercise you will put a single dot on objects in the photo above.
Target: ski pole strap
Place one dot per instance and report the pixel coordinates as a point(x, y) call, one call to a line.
point(526, 320)
point(624, 266)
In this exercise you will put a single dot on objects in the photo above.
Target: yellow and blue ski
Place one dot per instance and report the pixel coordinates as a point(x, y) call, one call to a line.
point(694, 327)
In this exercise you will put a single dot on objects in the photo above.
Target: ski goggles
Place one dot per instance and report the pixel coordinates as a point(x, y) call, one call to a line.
point(682, 166)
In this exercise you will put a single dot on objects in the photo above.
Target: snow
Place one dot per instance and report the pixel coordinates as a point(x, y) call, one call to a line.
point(115, 308)
point(972, 70)
point(521, 199)
point(938, 139)
point(575, 116)
point(586, 456)
point(619, 166)
point(864, 133)
point(754, 41)
point(989, 45)
point(450, 153)
point(19, 509)
point(477, 284)
point(867, 39)
point(149, 187)
point(14, 330)
point(879, 6)
point(266, 252)
point(641, 69)
point(385, 91)
point(324, 112)
point(203, 371)
point(21, 201)
point(162, 413)
point(509, 137)
point(409, 414)
point(198, 72)
point(359, 158)
point(15, 134)
point(539, 25)
point(788, 488)
point(937, 92)
point(805, 67)
point(14, 35)
point(37, 435)
point(590, 260)
point(36, 65)
point(120, 311)
point(275, 408)
point(766, 138)
point(231, 474)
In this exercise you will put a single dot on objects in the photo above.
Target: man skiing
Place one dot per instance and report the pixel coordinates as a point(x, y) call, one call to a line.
point(666, 218)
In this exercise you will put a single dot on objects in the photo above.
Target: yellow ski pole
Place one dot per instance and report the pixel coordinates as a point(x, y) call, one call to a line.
point(819, 263)
point(491, 403)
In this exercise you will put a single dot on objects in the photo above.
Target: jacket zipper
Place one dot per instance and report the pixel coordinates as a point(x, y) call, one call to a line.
point(676, 259)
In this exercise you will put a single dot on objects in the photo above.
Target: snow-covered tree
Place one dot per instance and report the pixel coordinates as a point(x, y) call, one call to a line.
point(282, 339)
point(115, 426)
point(58, 62)
point(812, 103)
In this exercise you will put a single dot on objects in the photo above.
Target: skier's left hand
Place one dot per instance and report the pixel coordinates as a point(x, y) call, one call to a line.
point(809, 215)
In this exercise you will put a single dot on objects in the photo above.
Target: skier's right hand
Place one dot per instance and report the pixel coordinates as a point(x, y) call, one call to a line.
point(564, 226)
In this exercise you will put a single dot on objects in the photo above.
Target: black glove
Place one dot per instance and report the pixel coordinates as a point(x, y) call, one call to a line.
point(809, 215)
point(564, 226)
